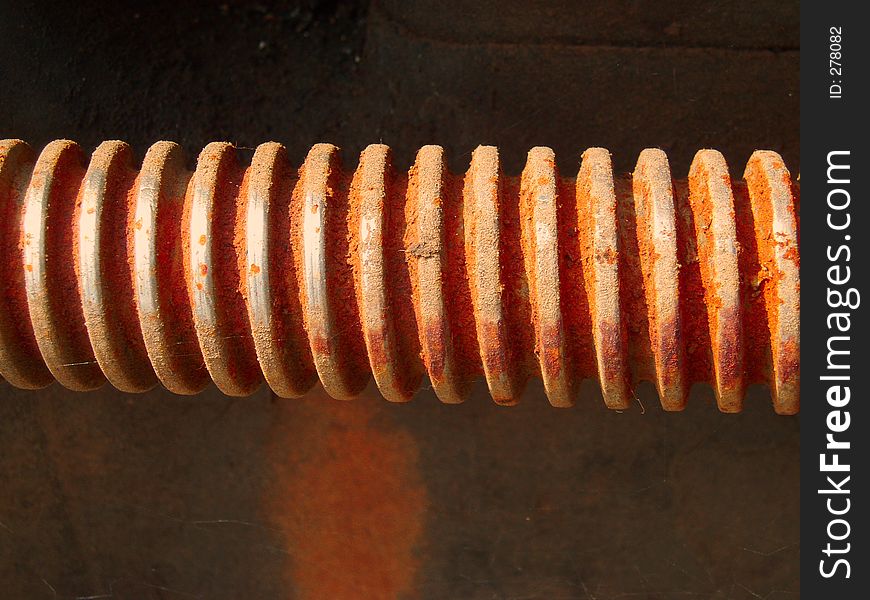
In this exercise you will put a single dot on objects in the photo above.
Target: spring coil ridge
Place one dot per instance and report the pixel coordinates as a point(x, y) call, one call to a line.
point(236, 273)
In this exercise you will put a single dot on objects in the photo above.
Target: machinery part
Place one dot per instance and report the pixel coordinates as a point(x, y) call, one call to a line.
point(248, 272)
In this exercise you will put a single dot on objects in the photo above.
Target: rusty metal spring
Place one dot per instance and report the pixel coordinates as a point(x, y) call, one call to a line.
point(238, 273)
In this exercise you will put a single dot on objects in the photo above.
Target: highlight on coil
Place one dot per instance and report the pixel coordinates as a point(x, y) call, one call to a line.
point(236, 273)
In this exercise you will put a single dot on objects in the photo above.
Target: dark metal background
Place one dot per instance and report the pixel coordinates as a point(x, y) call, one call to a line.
point(108, 495)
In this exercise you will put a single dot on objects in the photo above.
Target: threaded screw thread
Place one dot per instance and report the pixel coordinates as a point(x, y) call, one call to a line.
point(239, 273)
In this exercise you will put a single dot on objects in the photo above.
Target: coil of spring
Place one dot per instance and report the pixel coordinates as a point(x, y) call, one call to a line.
point(238, 273)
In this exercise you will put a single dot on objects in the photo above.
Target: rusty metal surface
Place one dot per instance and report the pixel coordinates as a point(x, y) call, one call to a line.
point(162, 496)
point(549, 264)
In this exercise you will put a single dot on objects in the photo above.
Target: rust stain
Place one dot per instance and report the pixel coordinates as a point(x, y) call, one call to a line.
point(730, 356)
point(495, 358)
point(320, 345)
point(552, 349)
point(671, 367)
point(435, 349)
point(611, 349)
point(377, 350)
point(348, 500)
point(789, 361)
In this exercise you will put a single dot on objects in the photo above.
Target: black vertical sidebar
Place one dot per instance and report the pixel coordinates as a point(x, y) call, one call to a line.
point(835, 231)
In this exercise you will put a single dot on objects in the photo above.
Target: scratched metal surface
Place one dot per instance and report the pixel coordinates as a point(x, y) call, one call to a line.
point(107, 495)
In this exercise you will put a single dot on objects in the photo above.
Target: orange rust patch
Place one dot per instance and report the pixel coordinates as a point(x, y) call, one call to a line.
point(757, 285)
point(515, 285)
point(410, 247)
point(789, 361)
point(576, 315)
point(693, 313)
point(611, 335)
point(435, 357)
point(320, 345)
point(377, 352)
point(400, 281)
point(636, 250)
point(348, 500)
point(731, 366)
point(456, 282)
point(496, 358)
point(552, 341)
point(669, 356)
